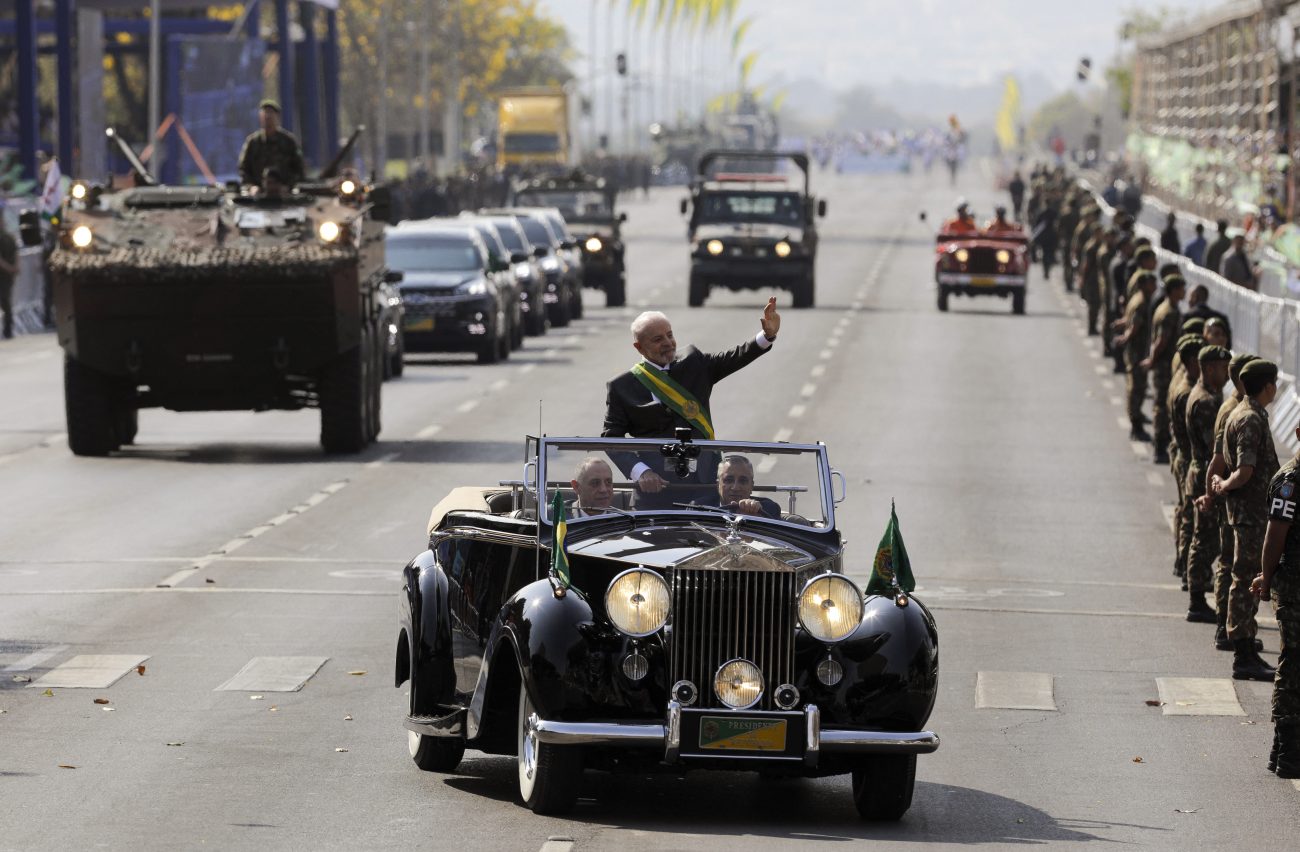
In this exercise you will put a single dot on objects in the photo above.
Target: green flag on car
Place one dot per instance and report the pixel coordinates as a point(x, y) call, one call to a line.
point(559, 559)
point(892, 570)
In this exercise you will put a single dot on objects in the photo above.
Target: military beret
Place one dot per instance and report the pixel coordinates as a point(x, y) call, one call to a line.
point(1266, 370)
point(1217, 322)
point(1193, 325)
point(1209, 354)
point(1189, 345)
point(1176, 280)
point(1240, 360)
point(269, 103)
point(1144, 252)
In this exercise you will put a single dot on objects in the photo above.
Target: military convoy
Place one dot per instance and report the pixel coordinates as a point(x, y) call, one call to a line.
point(750, 228)
point(208, 298)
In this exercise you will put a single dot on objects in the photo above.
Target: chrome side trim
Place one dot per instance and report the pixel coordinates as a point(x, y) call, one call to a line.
point(879, 742)
point(490, 536)
point(600, 733)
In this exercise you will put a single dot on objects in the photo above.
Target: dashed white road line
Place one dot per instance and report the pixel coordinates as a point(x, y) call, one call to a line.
point(1123, 422)
point(557, 844)
point(35, 658)
point(89, 671)
point(1101, 369)
point(1155, 479)
point(1108, 384)
point(807, 390)
point(1117, 400)
point(1198, 696)
point(826, 355)
point(467, 406)
point(797, 411)
point(498, 385)
point(274, 674)
point(381, 461)
point(526, 369)
point(1014, 691)
point(428, 432)
point(782, 435)
point(1139, 449)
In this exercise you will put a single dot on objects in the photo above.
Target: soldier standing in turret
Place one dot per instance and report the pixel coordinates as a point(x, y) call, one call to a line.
point(271, 147)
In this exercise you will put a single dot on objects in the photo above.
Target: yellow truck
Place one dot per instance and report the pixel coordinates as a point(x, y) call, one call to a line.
point(533, 129)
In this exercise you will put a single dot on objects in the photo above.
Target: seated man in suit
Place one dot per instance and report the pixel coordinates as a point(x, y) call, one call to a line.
point(736, 489)
point(664, 392)
point(593, 483)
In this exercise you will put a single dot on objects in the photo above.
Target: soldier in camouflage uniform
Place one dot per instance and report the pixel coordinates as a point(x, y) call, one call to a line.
point(1165, 327)
point(1180, 451)
point(272, 147)
point(1279, 580)
point(1135, 342)
point(1106, 253)
point(1251, 458)
point(1202, 409)
point(1088, 288)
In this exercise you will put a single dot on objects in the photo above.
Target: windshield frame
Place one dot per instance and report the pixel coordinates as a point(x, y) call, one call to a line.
point(701, 217)
point(538, 468)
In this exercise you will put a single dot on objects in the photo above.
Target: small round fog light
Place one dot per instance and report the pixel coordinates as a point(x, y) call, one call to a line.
point(635, 666)
point(829, 672)
point(786, 696)
point(685, 693)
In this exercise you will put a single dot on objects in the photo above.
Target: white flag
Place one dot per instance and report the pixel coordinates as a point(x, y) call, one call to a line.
point(52, 195)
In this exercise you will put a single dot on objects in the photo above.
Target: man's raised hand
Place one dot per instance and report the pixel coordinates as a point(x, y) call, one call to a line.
point(771, 320)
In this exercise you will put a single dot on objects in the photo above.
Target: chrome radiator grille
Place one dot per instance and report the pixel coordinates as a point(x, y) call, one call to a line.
point(719, 615)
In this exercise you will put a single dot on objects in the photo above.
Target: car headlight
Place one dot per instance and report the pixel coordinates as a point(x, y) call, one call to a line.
point(551, 263)
point(962, 255)
point(79, 191)
point(738, 684)
point(523, 271)
point(348, 187)
point(1003, 256)
point(82, 237)
point(594, 245)
point(473, 288)
point(714, 246)
point(830, 607)
point(637, 602)
point(782, 249)
point(329, 231)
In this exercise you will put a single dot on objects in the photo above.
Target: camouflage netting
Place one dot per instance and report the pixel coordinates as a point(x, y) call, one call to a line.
point(307, 259)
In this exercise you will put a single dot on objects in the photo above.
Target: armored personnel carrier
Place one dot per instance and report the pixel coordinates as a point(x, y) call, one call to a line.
point(211, 298)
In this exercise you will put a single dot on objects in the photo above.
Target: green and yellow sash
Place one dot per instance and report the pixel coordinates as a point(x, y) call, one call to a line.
point(678, 399)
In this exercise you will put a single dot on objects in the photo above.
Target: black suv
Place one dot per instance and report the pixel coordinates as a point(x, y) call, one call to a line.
point(750, 228)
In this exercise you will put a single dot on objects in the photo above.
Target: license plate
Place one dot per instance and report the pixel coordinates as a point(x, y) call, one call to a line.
point(982, 282)
point(421, 324)
point(740, 734)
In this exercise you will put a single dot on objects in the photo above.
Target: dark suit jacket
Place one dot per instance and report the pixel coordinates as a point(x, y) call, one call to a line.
point(631, 411)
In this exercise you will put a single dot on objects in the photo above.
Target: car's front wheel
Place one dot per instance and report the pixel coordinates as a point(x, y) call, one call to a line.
point(699, 291)
point(882, 787)
point(549, 775)
point(943, 299)
point(1018, 303)
point(435, 754)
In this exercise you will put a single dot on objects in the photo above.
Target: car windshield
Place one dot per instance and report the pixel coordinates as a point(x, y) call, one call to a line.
point(772, 481)
point(510, 238)
point(431, 254)
point(572, 204)
point(538, 234)
point(778, 208)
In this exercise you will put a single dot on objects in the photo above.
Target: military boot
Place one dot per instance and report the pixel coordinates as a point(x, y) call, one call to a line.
point(1247, 665)
point(1198, 610)
point(1138, 433)
point(1288, 751)
point(1221, 640)
point(1272, 753)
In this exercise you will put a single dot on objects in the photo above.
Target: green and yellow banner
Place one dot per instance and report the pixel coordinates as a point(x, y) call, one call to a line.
point(559, 559)
point(892, 570)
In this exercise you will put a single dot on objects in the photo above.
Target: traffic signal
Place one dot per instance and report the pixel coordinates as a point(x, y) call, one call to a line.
point(620, 63)
point(1084, 69)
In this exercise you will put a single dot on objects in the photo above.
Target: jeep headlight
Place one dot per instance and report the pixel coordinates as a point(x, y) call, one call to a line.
point(348, 187)
point(782, 249)
point(962, 255)
point(714, 247)
point(1003, 256)
point(329, 231)
point(830, 607)
point(637, 602)
point(82, 237)
point(594, 245)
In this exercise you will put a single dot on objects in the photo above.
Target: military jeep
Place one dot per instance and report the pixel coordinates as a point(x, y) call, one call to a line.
point(750, 228)
point(588, 205)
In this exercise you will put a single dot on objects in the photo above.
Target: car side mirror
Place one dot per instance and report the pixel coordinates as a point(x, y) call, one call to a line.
point(821, 207)
point(684, 206)
point(541, 251)
point(622, 217)
point(394, 276)
point(518, 257)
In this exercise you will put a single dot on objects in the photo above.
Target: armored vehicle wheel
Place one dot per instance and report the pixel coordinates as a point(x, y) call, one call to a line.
point(882, 787)
point(699, 291)
point(89, 401)
point(549, 776)
point(943, 299)
point(1018, 303)
point(342, 394)
point(576, 311)
point(435, 754)
point(802, 292)
point(616, 292)
point(128, 423)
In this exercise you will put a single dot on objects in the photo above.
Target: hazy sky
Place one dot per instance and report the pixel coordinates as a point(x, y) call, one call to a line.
point(851, 42)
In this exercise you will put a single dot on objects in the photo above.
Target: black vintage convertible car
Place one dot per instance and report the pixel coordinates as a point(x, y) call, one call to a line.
point(693, 629)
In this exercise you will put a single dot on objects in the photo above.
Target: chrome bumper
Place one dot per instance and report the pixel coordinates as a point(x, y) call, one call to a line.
point(668, 736)
point(970, 279)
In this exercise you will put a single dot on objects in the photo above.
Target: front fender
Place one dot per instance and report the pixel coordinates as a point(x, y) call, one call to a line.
point(426, 621)
point(890, 665)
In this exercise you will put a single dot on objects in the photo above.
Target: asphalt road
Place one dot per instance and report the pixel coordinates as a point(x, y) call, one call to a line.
point(1036, 532)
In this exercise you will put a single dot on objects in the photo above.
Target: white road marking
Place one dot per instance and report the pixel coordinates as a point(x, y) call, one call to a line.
point(89, 671)
point(766, 465)
point(833, 342)
point(856, 306)
point(1123, 422)
point(782, 435)
point(844, 322)
point(175, 579)
point(818, 371)
point(1198, 696)
point(273, 674)
point(807, 390)
point(1139, 449)
point(797, 411)
point(1117, 400)
point(1094, 354)
point(557, 844)
point(826, 355)
point(467, 406)
point(379, 462)
point(1014, 691)
point(1170, 513)
point(526, 369)
point(498, 385)
point(35, 658)
point(1101, 369)
point(428, 432)
point(1108, 384)
point(572, 340)
point(367, 574)
point(1155, 479)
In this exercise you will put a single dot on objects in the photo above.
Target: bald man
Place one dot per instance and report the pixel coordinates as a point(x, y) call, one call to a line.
point(593, 483)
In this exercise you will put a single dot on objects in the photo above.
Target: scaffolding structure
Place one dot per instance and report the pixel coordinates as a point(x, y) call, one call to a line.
point(1213, 123)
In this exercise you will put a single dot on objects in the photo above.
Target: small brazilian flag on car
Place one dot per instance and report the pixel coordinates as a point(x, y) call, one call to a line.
point(891, 570)
point(559, 559)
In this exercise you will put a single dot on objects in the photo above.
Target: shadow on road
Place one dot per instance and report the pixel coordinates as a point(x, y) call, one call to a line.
point(731, 804)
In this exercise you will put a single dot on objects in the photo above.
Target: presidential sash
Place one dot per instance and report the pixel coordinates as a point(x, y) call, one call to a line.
point(678, 399)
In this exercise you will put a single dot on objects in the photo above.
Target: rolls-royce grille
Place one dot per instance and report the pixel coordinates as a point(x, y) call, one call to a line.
point(720, 615)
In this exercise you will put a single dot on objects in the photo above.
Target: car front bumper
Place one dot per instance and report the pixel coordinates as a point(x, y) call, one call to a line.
point(750, 273)
point(968, 284)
